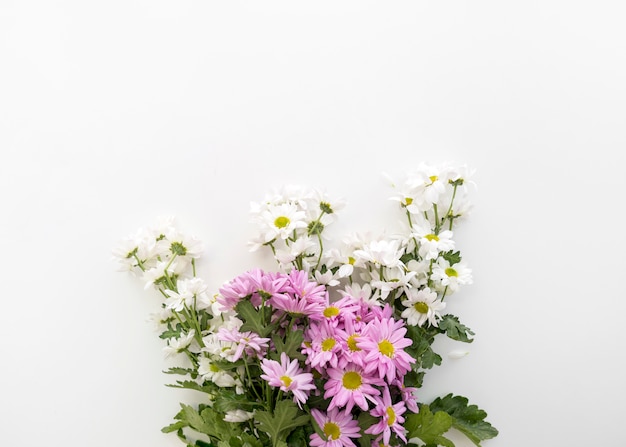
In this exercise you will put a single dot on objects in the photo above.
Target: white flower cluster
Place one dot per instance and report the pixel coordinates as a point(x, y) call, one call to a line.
point(417, 265)
point(291, 222)
point(166, 257)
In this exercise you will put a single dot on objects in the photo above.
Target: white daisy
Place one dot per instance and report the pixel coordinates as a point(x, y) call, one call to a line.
point(383, 252)
point(280, 221)
point(431, 244)
point(422, 306)
point(451, 276)
point(176, 345)
point(238, 416)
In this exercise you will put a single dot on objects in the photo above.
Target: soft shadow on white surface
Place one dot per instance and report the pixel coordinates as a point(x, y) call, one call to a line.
point(115, 113)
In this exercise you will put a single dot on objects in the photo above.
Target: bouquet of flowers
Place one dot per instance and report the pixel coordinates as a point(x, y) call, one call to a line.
point(331, 348)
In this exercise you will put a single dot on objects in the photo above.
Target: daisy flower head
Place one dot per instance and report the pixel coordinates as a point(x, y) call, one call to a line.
point(338, 426)
point(350, 386)
point(322, 344)
point(288, 376)
point(382, 252)
point(390, 415)
point(247, 342)
point(190, 292)
point(383, 342)
point(451, 276)
point(178, 345)
point(280, 221)
point(431, 244)
point(422, 306)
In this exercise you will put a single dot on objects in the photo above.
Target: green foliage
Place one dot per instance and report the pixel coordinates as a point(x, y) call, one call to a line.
point(451, 326)
point(429, 427)
point(290, 346)
point(453, 257)
point(468, 419)
point(285, 418)
point(208, 387)
point(254, 320)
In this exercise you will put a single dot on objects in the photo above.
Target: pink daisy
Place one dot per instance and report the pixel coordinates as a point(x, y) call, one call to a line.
point(338, 427)
point(384, 343)
point(391, 418)
point(248, 342)
point(349, 387)
point(323, 344)
point(288, 376)
point(237, 289)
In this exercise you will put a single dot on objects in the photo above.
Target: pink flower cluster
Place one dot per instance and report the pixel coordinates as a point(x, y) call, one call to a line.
point(356, 351)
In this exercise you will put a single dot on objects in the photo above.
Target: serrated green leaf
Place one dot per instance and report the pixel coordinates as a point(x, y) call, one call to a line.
point(454, 329)
point(253, 319)
point(219, 428)
point(452, 257)
point(171, 332)
point(285, 418)
point(468, 419)
point(228, 400)
point(429, 427)
point(291, 346)
point(181, 371)
point(208, 388)
point(195, 420)
point(174, 427)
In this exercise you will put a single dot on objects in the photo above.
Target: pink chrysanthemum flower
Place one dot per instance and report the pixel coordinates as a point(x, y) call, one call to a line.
point(340, 310)
point(323, 344)
point(338, 427)
point(350, 337)
point(301, 286)
point(391, 418)
point(288, 376)
point(349, 387)
point(237, 289)
point(409, 396)
point(266, 285)
point(384, 343)
point(249, 342)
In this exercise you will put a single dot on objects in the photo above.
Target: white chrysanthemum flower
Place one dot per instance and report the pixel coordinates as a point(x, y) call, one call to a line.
point(451, 276)
point(189, 290)
point(176, 345)
point(208, 370)
point(421, 269)
point(160, 319)
point(183, 245)
point(383, 252)
point(362, 293)
point(301, 245)
point(238, 416)
point(280, 221)
point(392, 279)
point(157, 273)
point(431, 244)
point(422, 306)
point(326, 279)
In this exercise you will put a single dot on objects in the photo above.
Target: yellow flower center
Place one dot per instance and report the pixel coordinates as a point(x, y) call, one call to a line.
point(432, 237)
point(286, 380)
point(281, 222)
point(386, 348)
point(421, 307)
point(352, 380)
point(391, 416)
point(332, 431)
point(433, 178)
point(328, 344)
point(351, 260)
point(451, 272)
point(214, 368)
point(331, 311)
point(352, 343)
point(408, 201)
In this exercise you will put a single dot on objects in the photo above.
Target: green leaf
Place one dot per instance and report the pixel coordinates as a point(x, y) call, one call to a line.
point(291, 346)
point(253, 319)
point(285, 418)
point(182, 371)
point(195, 420)
point(454, 329)
point(219, 428)
point(174, 427)
point(468, 419)
point(429, 427)
point(208, 388)
point(171, 332)
point(227, 400)
point(452, 257)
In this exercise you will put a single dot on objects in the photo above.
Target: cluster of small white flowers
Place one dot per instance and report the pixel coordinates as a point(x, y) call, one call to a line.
point(166, 257)
point(291, 221)
point(418, 265)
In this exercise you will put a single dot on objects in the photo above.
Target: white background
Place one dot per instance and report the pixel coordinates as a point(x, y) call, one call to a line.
point(115, 112)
